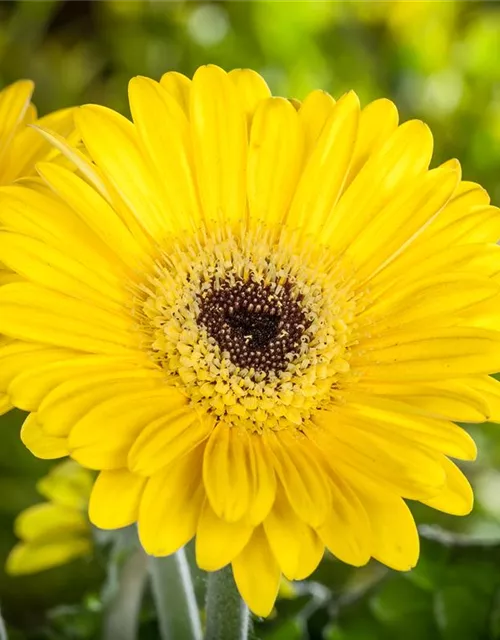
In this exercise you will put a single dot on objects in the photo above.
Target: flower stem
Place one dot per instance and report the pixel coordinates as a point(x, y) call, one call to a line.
point(174, 597)
point(228, 617)
point(122, 618)
point(3, 631)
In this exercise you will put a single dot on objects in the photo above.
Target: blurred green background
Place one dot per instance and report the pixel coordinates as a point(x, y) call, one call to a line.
point(439, 61)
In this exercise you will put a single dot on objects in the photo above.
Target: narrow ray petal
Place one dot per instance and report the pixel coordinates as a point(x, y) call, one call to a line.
point(324, 175)
point(256, 559)
point(314, 112)
point(179, 87)
point(218, 542)
point(170, 436)
point(305, 483)
point(394, 533)
point(227, 472)
point(274, 160)
point(40, 444)
point(171, 505)
point(112, 142)
point(115, 498)
point(124, 417)
point(404, 155)
point(251, 88)
point(219, 131)
point(164, 133)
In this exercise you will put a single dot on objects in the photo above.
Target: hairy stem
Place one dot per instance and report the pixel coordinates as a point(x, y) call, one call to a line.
point(174, 597)
point(228, 617)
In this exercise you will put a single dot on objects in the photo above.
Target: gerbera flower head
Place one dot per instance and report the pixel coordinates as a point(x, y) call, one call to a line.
point(258, 319)
point(57, 531)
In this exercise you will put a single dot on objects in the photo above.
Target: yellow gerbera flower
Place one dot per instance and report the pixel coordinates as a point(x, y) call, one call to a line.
point(258, 319)
point(21, 147)
point(54, 532)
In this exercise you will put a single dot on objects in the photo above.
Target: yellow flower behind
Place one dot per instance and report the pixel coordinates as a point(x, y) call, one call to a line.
point(54, 532)
point(258, 319)
point(21, 147)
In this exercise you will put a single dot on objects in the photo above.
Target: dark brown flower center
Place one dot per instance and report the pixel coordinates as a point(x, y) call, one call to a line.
point(259, 325)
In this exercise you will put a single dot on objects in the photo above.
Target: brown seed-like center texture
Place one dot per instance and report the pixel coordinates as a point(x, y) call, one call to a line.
point(259, 325)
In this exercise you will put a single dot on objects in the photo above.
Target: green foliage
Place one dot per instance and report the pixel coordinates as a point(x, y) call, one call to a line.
point(439, 62)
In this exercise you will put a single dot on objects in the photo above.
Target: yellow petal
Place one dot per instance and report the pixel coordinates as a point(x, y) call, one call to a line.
point(26, 558)
point(48, 521)
point(219, 131)
point(314, 112)
point(489, 390)
point(123, 417)
point(34, 313)
point(382, 239)
point(285, 532)
point(56, 270)
point(442, 298)
point(430, 354)
point(76, 159)
point(450, 399)
point(41, 445)
point(168, 437)
point(29, 147)
point(480, 224)
point(7, 276)
point(67, 484)
point(274, 160)
point(112, 142)
point(257, 559)
point(294, 544)
point(171, 505)
point(377, 121)
point(227, 472)
point(324, 175)
point(163, 130)
point(311, 554)
point(394, 533)
point(346, 530)
point(114, 501)
point(50, 367)
point(264, 481)
point(17, 357)
point(355, 452)
point(179, 87)
point(251, 88)
point(404, 155)
point(5, 404)
point(70, 401)
point(95, 211)
point(305, 482)
point(468, 199)
point(14, 101)
point(393, 420)
point(218, 542)
point(37, 213)
point(457, 497)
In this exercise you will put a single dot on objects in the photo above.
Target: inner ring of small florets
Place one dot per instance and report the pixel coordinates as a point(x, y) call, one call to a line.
point(251, 331)
point(258, 325)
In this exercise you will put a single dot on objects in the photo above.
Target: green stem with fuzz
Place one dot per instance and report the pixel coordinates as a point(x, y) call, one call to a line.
point(174, 597)
point(228, 617)
point(122, 617)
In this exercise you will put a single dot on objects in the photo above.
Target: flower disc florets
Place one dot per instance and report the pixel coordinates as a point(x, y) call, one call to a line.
point(249, 329)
